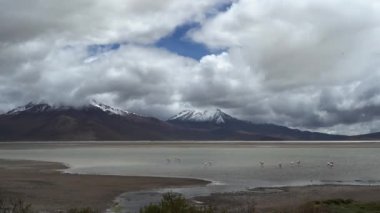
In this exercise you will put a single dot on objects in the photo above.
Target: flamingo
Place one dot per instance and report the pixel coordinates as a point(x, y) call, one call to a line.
point(330, 164)
point(207, 164)
point(280, 165)
point(168, 160)
point(261, 164)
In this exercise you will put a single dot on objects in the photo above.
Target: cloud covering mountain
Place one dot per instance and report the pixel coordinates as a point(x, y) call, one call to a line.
point(301, 63)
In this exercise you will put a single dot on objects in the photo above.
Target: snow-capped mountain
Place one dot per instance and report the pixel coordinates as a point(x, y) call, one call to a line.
point(109, 109)
point(36, 108)
point(213, 116)
point(44, 107)
point(93, 121)
point(97, 121)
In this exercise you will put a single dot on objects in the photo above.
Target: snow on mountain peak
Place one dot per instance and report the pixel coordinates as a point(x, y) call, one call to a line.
point(44, 107)
point(109, 109)
point(31, 107)
point(217, 116)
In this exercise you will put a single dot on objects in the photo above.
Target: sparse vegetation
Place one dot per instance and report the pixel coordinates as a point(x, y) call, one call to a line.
point(82, 210)
point(175, 203)
point(339, 206)
point(14, 206)
point(10, 205)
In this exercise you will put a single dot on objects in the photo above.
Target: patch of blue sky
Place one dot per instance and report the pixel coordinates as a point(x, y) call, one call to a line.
point(178, 42)
point(220, 8)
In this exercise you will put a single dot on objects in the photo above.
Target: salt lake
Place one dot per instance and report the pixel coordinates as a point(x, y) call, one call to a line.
point(230, 168)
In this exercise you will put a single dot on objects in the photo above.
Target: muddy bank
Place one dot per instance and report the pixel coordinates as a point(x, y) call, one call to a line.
point(288, 198)
point(46, 188)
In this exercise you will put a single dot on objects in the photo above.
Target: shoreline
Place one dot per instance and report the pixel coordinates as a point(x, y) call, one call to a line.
point(288, 198)
point(45, 186)
point(48, 189)
point(184, 144)
point(48, 186)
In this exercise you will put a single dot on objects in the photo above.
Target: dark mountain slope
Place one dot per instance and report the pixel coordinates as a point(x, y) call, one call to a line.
point(218, 120)
point(45, 122)
point(96, 121)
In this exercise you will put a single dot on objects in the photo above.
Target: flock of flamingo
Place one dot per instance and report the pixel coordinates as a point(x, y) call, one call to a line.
point(330, 164)
point(298, 163)
point(178, 160)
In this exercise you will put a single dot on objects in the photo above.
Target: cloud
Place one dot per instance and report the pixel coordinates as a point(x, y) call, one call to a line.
point(291, 40)
point(301, 63)
point(44, 50)
point(221, 80)
point(318, 60)
point(136, 21)
point(128, 75)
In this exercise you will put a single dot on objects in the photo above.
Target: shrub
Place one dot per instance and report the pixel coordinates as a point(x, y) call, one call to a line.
point(174, 203)
point(10, 205)
point(82, 210)
point(339, 206)
point(14, 206)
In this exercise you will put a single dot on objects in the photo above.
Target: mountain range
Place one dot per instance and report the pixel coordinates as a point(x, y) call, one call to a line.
point(98, 121)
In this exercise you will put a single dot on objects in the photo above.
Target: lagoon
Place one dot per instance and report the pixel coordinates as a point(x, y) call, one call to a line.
point(231, 167)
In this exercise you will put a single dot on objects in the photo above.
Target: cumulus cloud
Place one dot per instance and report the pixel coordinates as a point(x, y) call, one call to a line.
point(302, 63)
point(221, 80)
point(319, 59)
point(137, 21)
point(44, 50)
point(129, 75)
point(291, 40)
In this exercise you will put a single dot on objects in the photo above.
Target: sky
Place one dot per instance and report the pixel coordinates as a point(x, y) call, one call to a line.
point(308, 64)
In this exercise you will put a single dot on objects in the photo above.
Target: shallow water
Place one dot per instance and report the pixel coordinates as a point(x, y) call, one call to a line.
point(230, 168)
